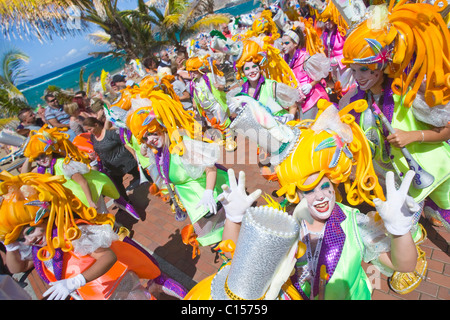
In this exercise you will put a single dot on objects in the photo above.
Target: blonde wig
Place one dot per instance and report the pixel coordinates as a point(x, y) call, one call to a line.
point(53, 140)
point(30, 199)
point(335, 155)
point(269, 60)
point(166, 115)
point(411, 43)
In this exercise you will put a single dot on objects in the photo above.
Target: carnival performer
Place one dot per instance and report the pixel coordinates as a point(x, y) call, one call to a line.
point(310, 70)
point(184, 161)
point(335, 238)
point(268, 79)
point(55, 154)
point(333, 37)
point(207, 89)
point(263, 27)
point(73, 248)
point(398, 58)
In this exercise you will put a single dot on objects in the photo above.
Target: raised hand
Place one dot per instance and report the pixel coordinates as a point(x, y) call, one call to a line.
point(398, 209)
point(234, 198)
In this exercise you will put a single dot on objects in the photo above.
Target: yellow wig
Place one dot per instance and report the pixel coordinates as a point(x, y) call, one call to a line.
point(263, 27)
point(164, 114)
point(146, 85)
point(327, 153)
point(411, 43)
point(270, 61)
point(313, 42)
point(53, 140)
point(331, 13)
point(30, 199)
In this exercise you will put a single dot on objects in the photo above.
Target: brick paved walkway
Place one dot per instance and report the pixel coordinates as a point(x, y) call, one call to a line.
point(159, 232)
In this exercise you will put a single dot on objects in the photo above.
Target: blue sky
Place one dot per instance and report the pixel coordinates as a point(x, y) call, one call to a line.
point(58, 53)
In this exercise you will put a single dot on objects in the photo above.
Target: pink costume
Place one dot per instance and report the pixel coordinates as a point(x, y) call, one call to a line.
point(297, 64)
point(334, 43)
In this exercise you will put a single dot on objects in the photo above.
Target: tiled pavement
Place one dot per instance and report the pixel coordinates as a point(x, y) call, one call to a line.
point(159, 233)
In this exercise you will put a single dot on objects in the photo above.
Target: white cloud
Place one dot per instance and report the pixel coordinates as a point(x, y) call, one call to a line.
point(45, 64)
point(71, 52)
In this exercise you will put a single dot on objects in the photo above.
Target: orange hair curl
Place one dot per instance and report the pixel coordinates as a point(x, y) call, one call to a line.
point(53, 140)
point(33, 198)
point(202, 65)
point(414, 45)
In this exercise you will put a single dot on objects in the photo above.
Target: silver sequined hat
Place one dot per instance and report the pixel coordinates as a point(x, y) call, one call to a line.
point(275, 138)
point(265, 239)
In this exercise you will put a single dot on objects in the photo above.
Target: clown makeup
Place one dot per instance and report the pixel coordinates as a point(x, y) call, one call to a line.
point(288, 45)
point(251, 71)
point(366, 78)
point(33, 235)
point(44, 160)
point(321, 199)
point(155, 139)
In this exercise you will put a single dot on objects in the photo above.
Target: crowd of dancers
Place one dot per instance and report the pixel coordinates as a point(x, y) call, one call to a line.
point(350, 104)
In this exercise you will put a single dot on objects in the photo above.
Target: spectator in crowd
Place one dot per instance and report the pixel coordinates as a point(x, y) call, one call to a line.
point(56, 116)
point(28, 122)
point(76, 119)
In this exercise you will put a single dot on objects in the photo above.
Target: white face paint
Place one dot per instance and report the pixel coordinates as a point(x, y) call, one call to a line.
point(155, 140)
point(366, 77)
point(251, 71)
point(321, 199)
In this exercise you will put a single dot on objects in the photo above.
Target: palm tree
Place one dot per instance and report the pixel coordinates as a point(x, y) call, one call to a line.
point(181, 19)
point(11, 99)
point(42, 19)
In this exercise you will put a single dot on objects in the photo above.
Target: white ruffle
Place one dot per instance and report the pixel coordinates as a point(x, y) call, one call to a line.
point(198, 155)
point(94, 237)
point(73, 167)
point(437, 116)
point(374, 237)
point(330, 120)
point(317, 66)
point(285, 95)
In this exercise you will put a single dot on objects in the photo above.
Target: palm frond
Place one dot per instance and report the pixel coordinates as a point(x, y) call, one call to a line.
point(12, 71)
point(209, 21)
point(99, 37)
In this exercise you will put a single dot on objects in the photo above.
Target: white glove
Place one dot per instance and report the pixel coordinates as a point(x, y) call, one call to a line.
point(61, 289)
point(398, 209)
point(301, 212)
point(306, 89)
point(234, 198)
point(208, 201)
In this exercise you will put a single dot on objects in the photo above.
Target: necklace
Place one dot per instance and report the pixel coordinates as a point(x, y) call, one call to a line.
point(311, 258)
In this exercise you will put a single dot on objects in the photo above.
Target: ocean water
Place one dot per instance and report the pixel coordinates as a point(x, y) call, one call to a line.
point(68, 77)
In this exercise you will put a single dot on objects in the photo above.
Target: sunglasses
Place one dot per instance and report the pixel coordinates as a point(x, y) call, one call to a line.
point(51, 101)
